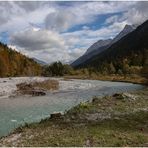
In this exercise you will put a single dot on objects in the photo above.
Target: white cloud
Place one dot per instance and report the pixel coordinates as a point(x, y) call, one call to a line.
point(59, 20)
point(88, 37)
point(43, 44)
point(15, 17)
point(138, 14)
point(112, 19)
point(18, 15)
point(85, 27)
point(34, 39)
point(81, 13)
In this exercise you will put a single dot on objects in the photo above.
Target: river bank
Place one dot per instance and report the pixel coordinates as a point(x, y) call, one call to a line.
point(116, 120)
point(131, 78)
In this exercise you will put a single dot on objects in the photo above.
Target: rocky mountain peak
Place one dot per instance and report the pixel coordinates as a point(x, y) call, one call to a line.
point(126, 30)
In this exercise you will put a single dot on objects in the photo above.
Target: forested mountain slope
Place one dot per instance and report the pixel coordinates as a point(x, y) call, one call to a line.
point(13, 63)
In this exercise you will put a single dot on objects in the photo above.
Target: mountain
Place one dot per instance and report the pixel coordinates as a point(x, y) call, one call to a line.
point(86, 57)
point(102, 45)
point(127, 29)
point(97, 45)
point(128, 52)
point(13, 63)
point(42, 63)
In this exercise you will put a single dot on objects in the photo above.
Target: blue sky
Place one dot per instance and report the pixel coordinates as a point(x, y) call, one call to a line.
point(98, 22)
point(52, 31)
point(4, 37)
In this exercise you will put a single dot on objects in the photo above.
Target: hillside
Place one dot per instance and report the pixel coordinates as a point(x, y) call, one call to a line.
point(13, 63)
point(127, 55)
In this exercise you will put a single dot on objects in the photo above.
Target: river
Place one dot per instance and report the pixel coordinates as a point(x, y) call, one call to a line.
point(15, 111)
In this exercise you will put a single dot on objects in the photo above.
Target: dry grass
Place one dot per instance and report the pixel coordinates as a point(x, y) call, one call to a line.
point(47, 85)
point(44, 85)
point(37, 88)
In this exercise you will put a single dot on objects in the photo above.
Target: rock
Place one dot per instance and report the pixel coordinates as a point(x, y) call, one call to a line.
point(124, 96)
point(38, 93)
point(97, 116)
point(118, 96)
point(33, 92)
point(141, 129)
point(130, 96)
point(95, 99)
point(57, 115)
point(89, 142)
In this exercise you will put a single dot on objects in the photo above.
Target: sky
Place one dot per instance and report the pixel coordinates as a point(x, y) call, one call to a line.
point(63, 31)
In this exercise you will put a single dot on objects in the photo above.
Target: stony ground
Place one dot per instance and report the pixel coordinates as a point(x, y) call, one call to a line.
point(9, 85)
point(118, 120)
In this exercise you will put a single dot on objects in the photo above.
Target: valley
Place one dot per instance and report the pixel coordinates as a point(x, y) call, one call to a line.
point(73, 74)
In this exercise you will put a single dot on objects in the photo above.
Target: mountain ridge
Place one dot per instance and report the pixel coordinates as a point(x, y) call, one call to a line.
point(131, 50)
point(91, 51)
point(42, 63)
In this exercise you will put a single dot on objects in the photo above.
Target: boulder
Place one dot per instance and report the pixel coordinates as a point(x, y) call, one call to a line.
point(38, 93)
point(57, 115)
